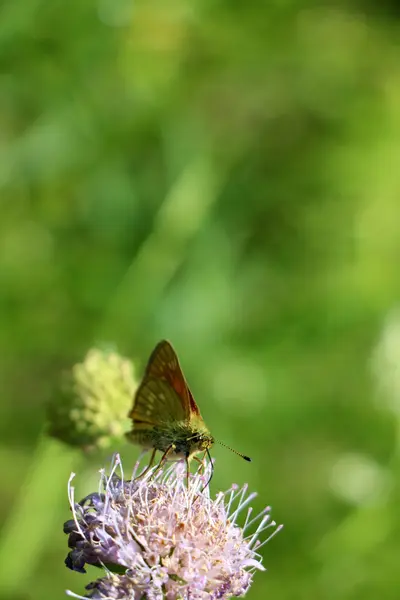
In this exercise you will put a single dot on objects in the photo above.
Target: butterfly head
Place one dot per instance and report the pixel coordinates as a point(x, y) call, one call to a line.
point(199, 442)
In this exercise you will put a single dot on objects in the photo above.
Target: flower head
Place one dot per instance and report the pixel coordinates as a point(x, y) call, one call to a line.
point(95, 398)
point(158, 539)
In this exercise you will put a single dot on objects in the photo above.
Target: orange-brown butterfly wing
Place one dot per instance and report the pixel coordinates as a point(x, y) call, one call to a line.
point(156, 402)
point(163, 394)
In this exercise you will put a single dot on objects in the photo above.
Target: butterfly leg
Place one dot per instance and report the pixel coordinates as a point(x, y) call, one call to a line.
point(211, 465)
point(201, 461)
point(164, 458)
point(187, 460)
point(147, 469)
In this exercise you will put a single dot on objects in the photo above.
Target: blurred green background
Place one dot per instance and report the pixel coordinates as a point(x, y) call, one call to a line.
point(223, 174)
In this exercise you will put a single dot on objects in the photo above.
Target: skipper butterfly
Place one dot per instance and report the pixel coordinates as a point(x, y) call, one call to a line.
point(165, 415)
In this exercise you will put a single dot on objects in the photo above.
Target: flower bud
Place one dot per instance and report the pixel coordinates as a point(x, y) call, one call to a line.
point(90, 410)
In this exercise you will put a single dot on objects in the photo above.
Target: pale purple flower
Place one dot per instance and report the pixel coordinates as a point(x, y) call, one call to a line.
point(157, 539)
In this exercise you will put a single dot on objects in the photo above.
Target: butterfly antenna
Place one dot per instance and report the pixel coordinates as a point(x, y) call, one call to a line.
point(234, 451)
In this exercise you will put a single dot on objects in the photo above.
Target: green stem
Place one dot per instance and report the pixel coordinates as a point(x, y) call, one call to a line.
point(34, 517)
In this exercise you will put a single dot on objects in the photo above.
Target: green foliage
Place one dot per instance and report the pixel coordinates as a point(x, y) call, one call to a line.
point(222, 174)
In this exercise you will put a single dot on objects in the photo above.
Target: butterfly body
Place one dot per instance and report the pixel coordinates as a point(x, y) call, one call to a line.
point(165, 415)
point(185, 439)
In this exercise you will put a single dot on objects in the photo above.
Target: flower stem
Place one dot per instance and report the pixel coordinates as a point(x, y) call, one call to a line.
point(34, 511)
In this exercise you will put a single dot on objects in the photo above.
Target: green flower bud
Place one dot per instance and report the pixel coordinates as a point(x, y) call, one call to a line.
point(90, 410)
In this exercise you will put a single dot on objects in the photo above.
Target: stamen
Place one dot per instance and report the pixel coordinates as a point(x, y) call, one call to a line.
point(71, 498)
point(249, 511)
point(108, 492)
point(262, 526)
point(72, 595)
point(266, 510)
point(234, 488)
point(273, 534)
point(242, 506)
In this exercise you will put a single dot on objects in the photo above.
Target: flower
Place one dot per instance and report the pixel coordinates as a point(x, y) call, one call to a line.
point(95, 398)
point(157, 538)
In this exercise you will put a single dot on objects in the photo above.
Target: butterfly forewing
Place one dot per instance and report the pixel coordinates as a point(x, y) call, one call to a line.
point(164, 394)
point(162, 361)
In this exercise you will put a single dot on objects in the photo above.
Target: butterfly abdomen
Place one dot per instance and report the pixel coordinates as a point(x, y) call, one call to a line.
point(140, 437)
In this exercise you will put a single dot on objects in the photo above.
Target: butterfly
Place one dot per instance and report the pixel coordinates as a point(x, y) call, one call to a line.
point(165, 415)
